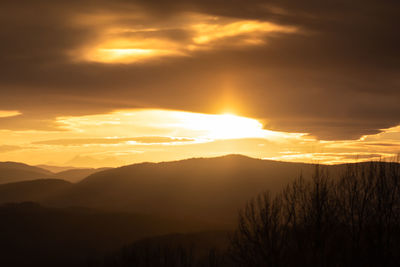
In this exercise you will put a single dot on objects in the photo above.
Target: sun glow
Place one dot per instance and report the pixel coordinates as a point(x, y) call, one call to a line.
point(9, 113)
point(224, 126)
point(136, 135)
point(177, 124)
point(129, 51)
point(126, 55)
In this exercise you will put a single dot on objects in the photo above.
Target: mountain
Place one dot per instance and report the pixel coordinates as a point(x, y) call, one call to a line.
point(110, 209)
point(33, 235)
point(55, 169)
point(207, 189)
point(203, 188)
point(38, 190)
point(14, 172)
point(11, 172)
point(87, 161)
point(76, 175)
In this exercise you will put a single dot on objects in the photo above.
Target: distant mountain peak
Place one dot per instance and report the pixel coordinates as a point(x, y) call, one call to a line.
point(16, 171)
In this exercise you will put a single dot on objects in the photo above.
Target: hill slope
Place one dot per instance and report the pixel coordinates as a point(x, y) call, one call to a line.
point(205, 188)
point(32, 235)
point(76, 175)
point(15, 172)
point(34, 190)
point(55, 169)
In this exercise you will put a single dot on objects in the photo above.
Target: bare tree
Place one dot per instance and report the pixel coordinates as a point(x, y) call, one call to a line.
point(351, 220)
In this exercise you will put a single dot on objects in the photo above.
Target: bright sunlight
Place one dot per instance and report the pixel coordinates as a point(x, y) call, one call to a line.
point(145, 122)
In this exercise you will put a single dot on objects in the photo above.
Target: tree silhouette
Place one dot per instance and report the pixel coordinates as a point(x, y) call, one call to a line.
point(352, 220)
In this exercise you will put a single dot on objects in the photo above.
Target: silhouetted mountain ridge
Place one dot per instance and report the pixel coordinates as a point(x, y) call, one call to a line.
point(76, 175)
point(199, 187)
point(202, 188)
point(11, 172)
point(14, 172)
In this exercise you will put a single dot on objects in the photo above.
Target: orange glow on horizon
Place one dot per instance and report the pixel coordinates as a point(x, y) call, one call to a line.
point(127, 136)
point(172, 123)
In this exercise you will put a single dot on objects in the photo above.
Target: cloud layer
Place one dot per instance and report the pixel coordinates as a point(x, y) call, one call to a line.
point(130, 136)
point(328, 68)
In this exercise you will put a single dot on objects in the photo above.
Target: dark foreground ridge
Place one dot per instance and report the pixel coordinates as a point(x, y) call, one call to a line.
point(33, 235)
point(311, 216)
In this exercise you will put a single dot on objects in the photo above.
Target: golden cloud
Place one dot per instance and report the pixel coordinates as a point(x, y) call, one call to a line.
point(9, 113)
point(121, 43)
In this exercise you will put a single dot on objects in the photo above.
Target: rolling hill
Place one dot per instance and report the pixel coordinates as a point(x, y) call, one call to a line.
point(11, 172)
point(202, 187)
point(37, 190)
point(15, 172)
point(211, 189)
point(76, 175)
point(76, 222)
point(55, 169)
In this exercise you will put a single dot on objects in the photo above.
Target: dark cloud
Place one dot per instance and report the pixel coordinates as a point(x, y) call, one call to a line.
point(337, 78)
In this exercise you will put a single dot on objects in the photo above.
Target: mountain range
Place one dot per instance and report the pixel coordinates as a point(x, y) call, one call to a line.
point(16, 172)
point(200, 188)
point(78, 215)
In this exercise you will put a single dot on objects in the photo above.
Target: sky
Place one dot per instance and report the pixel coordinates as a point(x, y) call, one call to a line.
point(107, 83)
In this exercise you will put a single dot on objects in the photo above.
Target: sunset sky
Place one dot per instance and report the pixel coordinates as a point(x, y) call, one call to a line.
point(108, 83)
